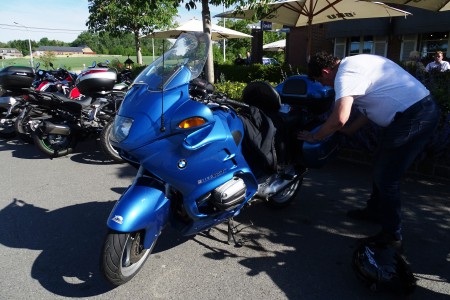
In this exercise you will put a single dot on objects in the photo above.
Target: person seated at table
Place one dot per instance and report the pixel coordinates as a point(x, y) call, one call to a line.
point(439, 64)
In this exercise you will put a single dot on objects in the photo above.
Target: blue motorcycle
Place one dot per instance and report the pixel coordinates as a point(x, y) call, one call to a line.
point(201, 157)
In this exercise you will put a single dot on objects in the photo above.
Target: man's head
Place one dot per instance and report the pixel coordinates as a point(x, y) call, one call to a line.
point(438, 56)
point(323, 67)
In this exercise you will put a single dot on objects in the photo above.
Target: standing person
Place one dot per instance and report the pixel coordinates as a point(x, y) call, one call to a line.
point(387, 95)
point(439, 64)
point(249, 58)
point(239, 60)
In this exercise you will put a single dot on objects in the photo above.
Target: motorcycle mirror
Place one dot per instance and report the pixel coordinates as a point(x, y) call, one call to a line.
point(94, 63)
point(51, 65)
point(38, 64)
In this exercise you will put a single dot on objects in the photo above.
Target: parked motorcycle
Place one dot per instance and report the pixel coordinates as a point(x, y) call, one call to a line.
point(12, 80)
point(56, 81)
point(196, 163)
point(69, 120)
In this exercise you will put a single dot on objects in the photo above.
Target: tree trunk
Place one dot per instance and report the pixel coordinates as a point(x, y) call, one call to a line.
point(206, 16)
point(137, 42)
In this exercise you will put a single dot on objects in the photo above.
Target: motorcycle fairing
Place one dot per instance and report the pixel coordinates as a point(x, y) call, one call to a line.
point(211, 161)
point(143, 206)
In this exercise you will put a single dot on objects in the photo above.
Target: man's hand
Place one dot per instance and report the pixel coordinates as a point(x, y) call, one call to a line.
point(307, 136)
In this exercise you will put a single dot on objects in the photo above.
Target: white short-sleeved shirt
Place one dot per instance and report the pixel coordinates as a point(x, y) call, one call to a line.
point(380, 87)
point(443, 66)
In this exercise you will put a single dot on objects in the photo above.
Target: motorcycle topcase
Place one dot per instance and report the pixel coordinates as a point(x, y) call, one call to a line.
point(96, 80)
point(16, 77)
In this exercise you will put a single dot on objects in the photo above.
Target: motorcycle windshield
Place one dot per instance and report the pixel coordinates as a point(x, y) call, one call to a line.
point(190, 50)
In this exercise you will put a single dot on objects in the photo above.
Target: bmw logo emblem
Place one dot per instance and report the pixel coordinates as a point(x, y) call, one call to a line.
point(182, 163)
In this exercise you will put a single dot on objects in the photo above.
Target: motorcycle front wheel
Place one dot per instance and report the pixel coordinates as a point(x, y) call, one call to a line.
point(54, 145)
point(123, 255)
point(108, 149)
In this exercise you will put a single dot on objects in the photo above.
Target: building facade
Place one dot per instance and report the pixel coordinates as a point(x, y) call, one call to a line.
point(59, 50)
point(6, 53)
point(425, 32)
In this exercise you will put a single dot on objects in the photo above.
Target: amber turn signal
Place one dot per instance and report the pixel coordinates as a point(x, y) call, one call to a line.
point(191, 122)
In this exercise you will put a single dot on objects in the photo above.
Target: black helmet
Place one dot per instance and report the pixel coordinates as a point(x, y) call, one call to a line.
point(383, 266)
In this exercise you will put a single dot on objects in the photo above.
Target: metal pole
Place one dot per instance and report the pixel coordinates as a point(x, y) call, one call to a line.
point(153, 50)
point(223, 19)
point(29, 43)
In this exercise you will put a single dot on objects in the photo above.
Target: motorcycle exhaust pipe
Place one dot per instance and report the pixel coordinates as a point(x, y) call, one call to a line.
point(51, 128)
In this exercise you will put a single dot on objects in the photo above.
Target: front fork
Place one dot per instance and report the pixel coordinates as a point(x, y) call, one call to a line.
point(143, 206)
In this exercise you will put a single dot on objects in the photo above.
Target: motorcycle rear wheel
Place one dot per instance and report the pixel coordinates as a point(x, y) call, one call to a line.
point(54, 145)
point(21, 125)
point(284, 197)
point(123, 255)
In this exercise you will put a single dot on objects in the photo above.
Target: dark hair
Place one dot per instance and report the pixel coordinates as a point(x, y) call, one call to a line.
point(320, 61)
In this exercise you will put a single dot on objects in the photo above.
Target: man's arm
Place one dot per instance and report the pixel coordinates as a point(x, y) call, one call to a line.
point(356, 124)
point(337, 119)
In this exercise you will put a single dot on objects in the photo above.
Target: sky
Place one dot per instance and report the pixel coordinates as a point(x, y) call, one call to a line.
point(61, 20)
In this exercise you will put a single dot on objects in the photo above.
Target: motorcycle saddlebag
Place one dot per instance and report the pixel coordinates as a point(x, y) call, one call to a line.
point(16, 77)
point(300, 93)
point(315, 155)
point(383, 267)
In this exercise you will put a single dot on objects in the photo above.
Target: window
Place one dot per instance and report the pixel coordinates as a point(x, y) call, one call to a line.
point(409, 43)
point(361, 44)
point(432, 42)
point(340, 47)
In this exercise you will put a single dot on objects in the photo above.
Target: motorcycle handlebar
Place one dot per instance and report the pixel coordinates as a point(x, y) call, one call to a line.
point(224, 100)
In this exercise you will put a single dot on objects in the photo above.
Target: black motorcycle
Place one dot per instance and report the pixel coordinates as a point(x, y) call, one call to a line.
point(68, 121)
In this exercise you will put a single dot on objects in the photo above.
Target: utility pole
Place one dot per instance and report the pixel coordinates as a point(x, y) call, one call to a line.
point(29, 43)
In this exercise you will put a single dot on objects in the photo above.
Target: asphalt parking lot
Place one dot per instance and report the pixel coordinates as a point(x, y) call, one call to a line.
point(53, 215)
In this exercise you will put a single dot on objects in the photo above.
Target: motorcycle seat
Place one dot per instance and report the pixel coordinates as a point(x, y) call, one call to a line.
point(262, 95)
point(84, 102)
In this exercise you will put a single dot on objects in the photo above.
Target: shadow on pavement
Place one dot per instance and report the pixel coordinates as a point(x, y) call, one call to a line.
point(71, 239)
point(321, 240)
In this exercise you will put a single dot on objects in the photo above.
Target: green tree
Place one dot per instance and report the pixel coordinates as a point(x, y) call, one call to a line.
point(47, 58)
point(90, 39)
point(139, 17)
point(258, 5)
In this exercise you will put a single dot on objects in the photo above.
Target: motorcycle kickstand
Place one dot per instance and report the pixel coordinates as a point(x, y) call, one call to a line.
point(232, 233)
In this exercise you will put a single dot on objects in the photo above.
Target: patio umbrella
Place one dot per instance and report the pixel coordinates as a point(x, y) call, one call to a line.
point(217, 32)
point(277, 46)
point(433, 5)
point(296, 13)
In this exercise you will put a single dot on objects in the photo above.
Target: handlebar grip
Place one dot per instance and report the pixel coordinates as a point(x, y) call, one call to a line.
point(234, 102)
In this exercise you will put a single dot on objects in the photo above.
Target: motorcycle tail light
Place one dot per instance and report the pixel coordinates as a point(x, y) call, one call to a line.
point(191, 122)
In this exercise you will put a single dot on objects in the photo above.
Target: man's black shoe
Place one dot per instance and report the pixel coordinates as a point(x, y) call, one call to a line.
point(384, 240)
point(363, 215)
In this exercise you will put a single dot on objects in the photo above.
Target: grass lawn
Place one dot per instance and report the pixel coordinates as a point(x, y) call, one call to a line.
point(75, 64)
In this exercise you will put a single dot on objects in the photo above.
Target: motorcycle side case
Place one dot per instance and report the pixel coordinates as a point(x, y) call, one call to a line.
point(316, 155)
point(7, 101)
point(16, 77)
point(301, 92)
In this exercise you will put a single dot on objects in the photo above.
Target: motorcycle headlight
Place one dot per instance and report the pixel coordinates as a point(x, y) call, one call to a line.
point(121, 128)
